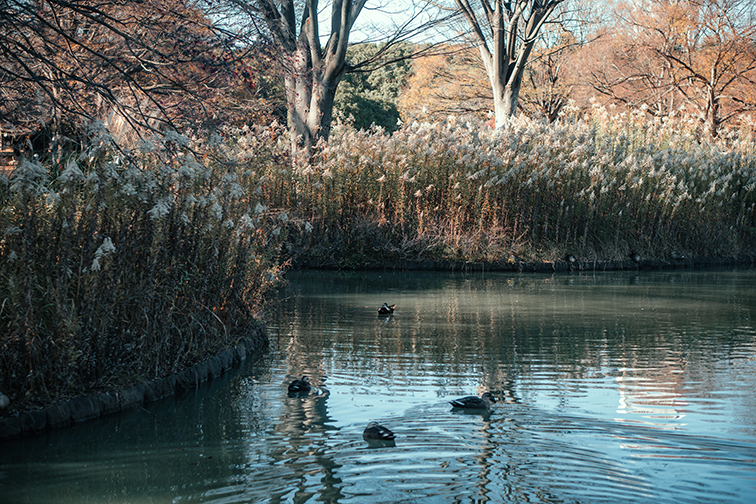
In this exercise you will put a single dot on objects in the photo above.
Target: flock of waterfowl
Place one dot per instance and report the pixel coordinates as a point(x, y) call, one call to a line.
point(377, 432)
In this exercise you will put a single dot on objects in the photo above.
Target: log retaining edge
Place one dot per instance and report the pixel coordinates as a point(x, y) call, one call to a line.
point(85, 407)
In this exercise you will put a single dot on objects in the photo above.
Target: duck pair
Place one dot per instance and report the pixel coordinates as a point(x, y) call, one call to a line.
point(377, 432)
point(373, 431)
point(470, 402)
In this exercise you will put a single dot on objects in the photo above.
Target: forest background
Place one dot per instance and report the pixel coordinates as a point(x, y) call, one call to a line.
point(165, 160)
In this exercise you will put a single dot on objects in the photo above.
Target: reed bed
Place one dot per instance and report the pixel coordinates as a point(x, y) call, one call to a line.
point(597, 187)
point(117, 266)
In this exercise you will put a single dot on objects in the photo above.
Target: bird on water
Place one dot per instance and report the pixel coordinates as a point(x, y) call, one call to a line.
point(473, 402)
point(300, 385)
point(386, 309)
point(378, 432)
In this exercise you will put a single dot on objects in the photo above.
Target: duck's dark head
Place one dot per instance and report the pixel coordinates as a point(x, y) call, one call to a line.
point(489, 396)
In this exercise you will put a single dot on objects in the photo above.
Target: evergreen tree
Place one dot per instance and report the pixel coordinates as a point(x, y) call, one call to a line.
point(370, 95)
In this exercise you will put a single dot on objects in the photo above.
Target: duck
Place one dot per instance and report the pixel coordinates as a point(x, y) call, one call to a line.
point(301, 385)
point(377, 432)
point(570, 258)
point(473, 402)
point(635, 257)
point(386, 309)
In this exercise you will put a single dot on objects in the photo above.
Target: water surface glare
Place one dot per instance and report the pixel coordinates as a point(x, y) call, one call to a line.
point(616, 387)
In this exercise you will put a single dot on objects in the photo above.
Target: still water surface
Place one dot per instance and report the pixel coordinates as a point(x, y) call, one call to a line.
point(617, 387)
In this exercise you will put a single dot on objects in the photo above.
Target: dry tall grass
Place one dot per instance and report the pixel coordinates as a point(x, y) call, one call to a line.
point(598, 187)
point(116, 266)
point(119, 266)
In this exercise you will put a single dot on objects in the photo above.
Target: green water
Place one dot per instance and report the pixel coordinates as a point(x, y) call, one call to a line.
point(616, 387)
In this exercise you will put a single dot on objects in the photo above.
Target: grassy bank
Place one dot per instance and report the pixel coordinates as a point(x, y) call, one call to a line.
point(121, 266)
point(598, 187)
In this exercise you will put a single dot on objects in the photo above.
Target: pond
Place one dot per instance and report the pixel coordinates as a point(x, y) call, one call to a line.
point(611, 387)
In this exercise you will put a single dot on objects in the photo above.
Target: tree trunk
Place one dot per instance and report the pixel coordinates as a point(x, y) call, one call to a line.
point(505, 102)
point(313, 71)
point(505, 42)
point(311, 97)
point(712, 119)
point(506, 91)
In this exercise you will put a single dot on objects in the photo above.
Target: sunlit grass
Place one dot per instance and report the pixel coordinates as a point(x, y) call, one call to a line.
point(598, 186)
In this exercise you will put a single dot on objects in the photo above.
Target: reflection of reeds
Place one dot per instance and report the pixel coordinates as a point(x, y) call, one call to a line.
point(117, 269)
point(600, 187)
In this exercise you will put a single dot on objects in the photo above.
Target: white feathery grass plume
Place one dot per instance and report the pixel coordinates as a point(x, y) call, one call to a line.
point(72, 173)
point(160, 209)
point(106, 248)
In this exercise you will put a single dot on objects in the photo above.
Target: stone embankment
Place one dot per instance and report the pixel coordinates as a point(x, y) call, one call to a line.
point(518, 266)
point(91, 406)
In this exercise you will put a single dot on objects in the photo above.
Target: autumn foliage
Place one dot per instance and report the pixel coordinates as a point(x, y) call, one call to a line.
point(136, 66)
point(675, 57)
point(451, 82)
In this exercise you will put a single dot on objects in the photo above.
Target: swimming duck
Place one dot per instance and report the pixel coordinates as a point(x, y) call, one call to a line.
point(377, 432)
point(570, 258)
point(472, 402)
point(301, 385)
point(386, 309)
point(635, 257)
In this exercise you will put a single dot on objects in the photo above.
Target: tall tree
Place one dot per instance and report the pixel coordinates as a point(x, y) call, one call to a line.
point(505, 33)
point(315, 63)
point(313, 71)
